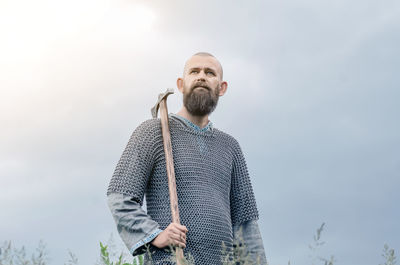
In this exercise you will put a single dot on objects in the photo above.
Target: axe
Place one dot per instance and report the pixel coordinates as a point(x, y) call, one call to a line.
point(169, 160)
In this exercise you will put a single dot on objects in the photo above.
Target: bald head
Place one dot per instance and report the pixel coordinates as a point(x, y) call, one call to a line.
point(201, 84)
point(204, 54)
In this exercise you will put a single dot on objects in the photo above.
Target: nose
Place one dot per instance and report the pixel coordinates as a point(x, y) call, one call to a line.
point(201, 76)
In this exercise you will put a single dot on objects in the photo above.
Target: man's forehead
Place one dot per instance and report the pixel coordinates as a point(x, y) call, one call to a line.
point(197, 61)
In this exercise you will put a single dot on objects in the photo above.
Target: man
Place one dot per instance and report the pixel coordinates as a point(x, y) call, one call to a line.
point(215, 196)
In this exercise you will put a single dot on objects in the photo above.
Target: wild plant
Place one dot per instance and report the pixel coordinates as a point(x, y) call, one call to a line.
point(239, 255)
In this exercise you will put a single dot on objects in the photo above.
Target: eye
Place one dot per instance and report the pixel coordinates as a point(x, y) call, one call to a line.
point(194, 71)
point(210, 73)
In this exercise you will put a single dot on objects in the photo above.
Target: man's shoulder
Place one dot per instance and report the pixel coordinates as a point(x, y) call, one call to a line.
point(148, 128)
point(150, 124)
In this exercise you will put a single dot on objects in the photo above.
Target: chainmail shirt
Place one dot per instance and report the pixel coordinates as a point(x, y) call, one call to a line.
point(213, 186)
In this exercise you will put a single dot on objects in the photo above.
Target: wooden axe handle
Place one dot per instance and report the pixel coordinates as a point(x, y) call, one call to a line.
point(169, 160)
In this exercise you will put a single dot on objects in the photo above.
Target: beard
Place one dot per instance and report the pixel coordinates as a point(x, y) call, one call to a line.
point(200, 102)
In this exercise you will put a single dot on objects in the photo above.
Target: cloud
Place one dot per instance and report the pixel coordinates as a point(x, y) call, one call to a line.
point(312, 100)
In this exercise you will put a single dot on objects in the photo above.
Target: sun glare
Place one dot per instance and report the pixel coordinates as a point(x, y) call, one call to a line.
point(33, 33)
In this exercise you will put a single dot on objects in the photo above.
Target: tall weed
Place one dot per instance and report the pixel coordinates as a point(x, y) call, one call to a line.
point(9, 255)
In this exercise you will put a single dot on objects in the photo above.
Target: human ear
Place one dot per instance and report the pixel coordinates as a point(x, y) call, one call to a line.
point(179, 84)
point(223, 88)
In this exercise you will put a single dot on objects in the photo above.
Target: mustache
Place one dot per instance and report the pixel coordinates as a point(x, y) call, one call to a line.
point(200, 84)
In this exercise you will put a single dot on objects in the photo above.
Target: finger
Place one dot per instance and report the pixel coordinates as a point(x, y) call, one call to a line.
point(176, 232)
point(179, 238)
point(179, 234)
point(180, 244)
point(182, 238)
point(181, 228)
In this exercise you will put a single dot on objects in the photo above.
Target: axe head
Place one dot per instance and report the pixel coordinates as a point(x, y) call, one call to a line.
point(154, 109)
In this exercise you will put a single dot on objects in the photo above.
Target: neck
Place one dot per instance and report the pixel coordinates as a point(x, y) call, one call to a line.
point(200, 121)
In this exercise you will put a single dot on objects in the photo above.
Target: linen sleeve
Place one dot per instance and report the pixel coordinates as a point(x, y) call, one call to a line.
point(135, 165)
point(247, 235)
point(134, 226)
point(242, 199)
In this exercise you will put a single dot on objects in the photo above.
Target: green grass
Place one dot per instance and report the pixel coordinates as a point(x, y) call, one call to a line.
point(10, 255)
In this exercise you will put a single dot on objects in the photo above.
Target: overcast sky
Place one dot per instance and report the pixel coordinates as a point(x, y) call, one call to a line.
point(313, 99)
